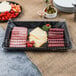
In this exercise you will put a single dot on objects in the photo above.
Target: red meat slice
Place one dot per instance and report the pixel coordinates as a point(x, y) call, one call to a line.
point(23, 31)
point(19, 28)
point(57, 33)
point(18, 37)
point(17, 42)
point(55, 36)
point(12, 43)
point(56, 39)
point(55, 45)
point(17, 45)
point(19, 32)
point(56, 42)
point(61, 35)
point(56, 29)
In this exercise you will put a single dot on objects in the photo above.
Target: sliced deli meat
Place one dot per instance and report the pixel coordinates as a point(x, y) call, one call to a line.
point(56, 29)
point(55, 45)
point(56, 37)
point(57, 33)
point(18, 37)
point(17, 42)
point(56, 42)
point(17, 45)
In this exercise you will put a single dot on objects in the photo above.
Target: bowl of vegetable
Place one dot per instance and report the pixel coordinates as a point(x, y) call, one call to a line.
point(50, 12)
point(9, 10)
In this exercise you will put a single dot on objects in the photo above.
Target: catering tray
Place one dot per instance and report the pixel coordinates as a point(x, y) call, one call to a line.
point(31, 25)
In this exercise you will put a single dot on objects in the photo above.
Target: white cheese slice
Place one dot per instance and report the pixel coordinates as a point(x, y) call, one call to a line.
point(38, 33)
point(38, 42)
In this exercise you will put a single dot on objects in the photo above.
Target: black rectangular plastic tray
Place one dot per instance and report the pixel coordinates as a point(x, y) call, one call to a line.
point(32, 24)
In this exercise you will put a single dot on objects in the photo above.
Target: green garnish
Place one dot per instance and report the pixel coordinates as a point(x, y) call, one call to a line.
point(50, 10)
point(46, 27)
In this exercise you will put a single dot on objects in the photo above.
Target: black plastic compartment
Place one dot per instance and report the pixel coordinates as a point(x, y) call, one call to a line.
point(32, 24)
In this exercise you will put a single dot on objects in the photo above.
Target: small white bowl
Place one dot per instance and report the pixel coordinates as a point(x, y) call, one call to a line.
point(50, 15)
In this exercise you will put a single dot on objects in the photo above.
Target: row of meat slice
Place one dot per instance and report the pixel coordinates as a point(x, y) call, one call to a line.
point(18, 37)
point(56, 37)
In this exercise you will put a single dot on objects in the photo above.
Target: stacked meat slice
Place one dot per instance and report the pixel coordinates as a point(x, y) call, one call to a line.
point(18, 37)
point(56, 37)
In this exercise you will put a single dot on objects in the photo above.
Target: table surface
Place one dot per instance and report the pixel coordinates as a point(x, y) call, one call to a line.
point(50, 63)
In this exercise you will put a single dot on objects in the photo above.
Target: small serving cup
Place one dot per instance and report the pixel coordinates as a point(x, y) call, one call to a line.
point(45, 14)
point(50, 15)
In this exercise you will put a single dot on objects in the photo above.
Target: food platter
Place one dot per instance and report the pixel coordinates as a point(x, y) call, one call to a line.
point(55, 39)
point(11, 11)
